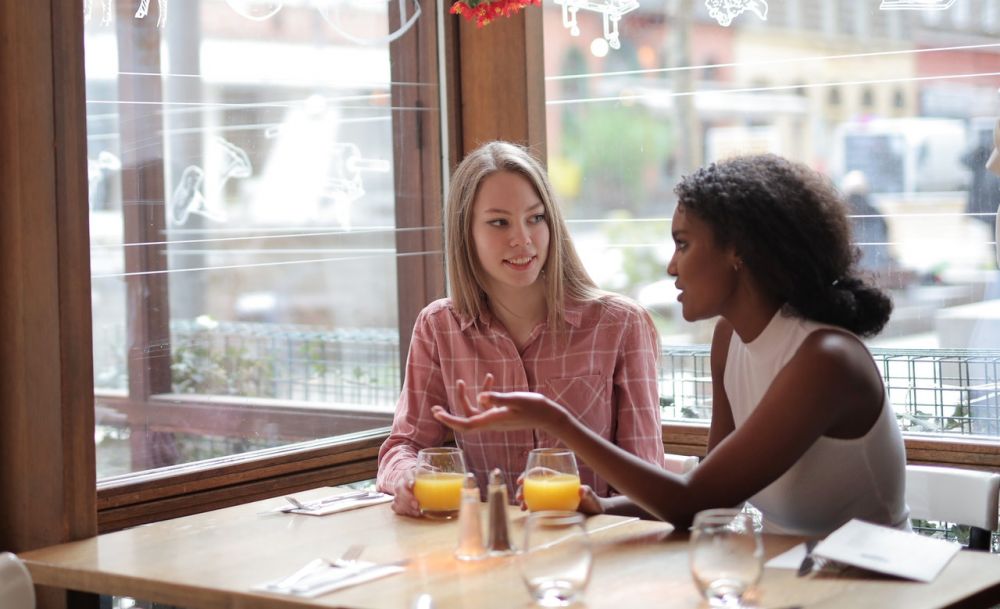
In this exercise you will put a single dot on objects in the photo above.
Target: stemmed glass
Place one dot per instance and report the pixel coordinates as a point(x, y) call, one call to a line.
point(727, 556)
point(437, 483)
point(556, 559)
point(551, 480)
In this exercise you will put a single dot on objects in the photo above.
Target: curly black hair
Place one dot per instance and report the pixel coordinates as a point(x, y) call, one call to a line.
point(789, 226)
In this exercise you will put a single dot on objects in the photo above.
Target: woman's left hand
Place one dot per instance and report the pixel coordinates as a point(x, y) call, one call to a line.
point(590, 503)
point(504, 411)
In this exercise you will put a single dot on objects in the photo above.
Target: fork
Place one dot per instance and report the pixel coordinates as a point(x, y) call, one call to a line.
point(300, 505)
point(348, 558)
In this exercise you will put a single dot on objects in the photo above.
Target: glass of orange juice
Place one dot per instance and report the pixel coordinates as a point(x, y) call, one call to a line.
point(438, 481)
point(551, 480)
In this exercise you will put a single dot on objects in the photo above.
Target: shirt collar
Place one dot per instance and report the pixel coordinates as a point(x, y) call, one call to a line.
point(572, 313)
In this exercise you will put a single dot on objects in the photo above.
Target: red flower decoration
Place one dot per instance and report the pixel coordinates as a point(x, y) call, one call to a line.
point(484, 11)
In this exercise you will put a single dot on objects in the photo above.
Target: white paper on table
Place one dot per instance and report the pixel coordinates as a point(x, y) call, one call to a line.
point(790, 559)
point(319, 508)
point(886, 550)
point(330, 578)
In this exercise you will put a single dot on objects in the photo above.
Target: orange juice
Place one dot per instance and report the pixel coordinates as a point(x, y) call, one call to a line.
point(554, 492)
point(439, 493)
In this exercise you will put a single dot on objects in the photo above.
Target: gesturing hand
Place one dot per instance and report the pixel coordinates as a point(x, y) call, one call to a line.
point(502, 411)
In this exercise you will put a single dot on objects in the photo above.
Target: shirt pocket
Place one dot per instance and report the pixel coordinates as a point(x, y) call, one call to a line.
point(588, 398)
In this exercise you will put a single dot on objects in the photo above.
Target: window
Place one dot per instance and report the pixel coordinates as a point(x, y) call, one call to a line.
point(248, 254)
point(907, 114)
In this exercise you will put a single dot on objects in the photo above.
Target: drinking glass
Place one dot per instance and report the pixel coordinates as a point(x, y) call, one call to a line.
point(556, 559)
point(438, 480)
point(727, 555)
point(551, 480)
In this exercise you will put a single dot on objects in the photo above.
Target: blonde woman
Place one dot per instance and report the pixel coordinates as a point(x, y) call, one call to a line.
point(524, 316)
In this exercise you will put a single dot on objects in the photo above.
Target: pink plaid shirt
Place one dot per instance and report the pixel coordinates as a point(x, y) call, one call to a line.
point(603, 369)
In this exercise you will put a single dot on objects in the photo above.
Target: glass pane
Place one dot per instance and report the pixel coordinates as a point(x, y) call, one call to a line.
point(243, 223)
point(895, 100)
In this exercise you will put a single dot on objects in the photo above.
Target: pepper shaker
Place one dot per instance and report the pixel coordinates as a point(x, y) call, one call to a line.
point(499, 529)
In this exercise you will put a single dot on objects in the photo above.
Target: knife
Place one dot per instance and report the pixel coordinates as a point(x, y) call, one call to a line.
point(335, 574)
point(807, 564)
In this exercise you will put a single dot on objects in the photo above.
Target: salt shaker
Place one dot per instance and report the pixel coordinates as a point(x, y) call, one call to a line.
point(470, 532)
point(499, 531)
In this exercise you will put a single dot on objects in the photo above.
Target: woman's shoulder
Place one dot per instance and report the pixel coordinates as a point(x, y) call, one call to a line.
point(833, 351)
point(439, 311)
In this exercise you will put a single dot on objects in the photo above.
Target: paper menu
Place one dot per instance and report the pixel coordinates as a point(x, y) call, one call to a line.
point(886, 550)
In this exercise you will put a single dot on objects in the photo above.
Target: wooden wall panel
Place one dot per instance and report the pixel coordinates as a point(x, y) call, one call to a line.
point(502, 81)
point(47, 484)
point(47, 473)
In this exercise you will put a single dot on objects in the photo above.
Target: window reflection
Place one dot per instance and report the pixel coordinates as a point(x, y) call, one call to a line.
point(899, 96)
point(243, 227)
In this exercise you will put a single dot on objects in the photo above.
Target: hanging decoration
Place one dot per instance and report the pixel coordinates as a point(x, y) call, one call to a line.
point(611, 11)
point(724, 11)
point(915, 5)
point(485, 11)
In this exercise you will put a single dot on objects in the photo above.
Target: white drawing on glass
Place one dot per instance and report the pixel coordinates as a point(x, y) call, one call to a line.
point(107, 8)
point(611, 12)
point(161, 16)
point(106, 11)
point(915, 5)
point(190, 196)
point(98, 172)
point(346, 185)
point(262, 10)
point(405, 18)
point(257, 10)
point(724, 11)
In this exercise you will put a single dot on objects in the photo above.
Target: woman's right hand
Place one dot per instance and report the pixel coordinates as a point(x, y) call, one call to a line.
point(404, 502)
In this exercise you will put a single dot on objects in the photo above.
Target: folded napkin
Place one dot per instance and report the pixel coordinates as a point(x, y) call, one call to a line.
point(886, 550)
point(332, 577)
point(877, 548)
point(791, 559)
point(337, 503)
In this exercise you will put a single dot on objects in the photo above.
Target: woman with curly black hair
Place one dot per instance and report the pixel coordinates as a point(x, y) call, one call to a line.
point(801, 423)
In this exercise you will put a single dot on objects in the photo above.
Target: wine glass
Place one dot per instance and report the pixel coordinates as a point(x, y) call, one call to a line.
point(551, 480)
point(437, 483)
point(556, 558)
point(727, 556)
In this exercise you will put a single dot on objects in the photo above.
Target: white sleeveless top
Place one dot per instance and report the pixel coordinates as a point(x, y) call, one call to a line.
point(835, 480)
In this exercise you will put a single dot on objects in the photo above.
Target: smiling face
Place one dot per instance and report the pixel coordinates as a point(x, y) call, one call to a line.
point(706, 273)
point(509, 232)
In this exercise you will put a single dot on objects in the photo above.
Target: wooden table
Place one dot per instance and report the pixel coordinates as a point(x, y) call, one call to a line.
point(213, 560)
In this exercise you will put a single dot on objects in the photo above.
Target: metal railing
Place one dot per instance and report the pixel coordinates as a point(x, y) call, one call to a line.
point(955, 392)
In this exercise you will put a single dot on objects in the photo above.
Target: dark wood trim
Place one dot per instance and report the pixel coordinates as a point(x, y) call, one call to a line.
point(452, 73)
point(73, 244)
point(47, 481)
point(503, 81)
point(957, 452)
point(235, 418)
point(46, 414)
point(416, 135)
point(685, 438)
point(692, 439)
point(189, 489)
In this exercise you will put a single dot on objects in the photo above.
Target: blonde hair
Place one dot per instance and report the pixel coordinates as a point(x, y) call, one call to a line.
point(563, 273)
